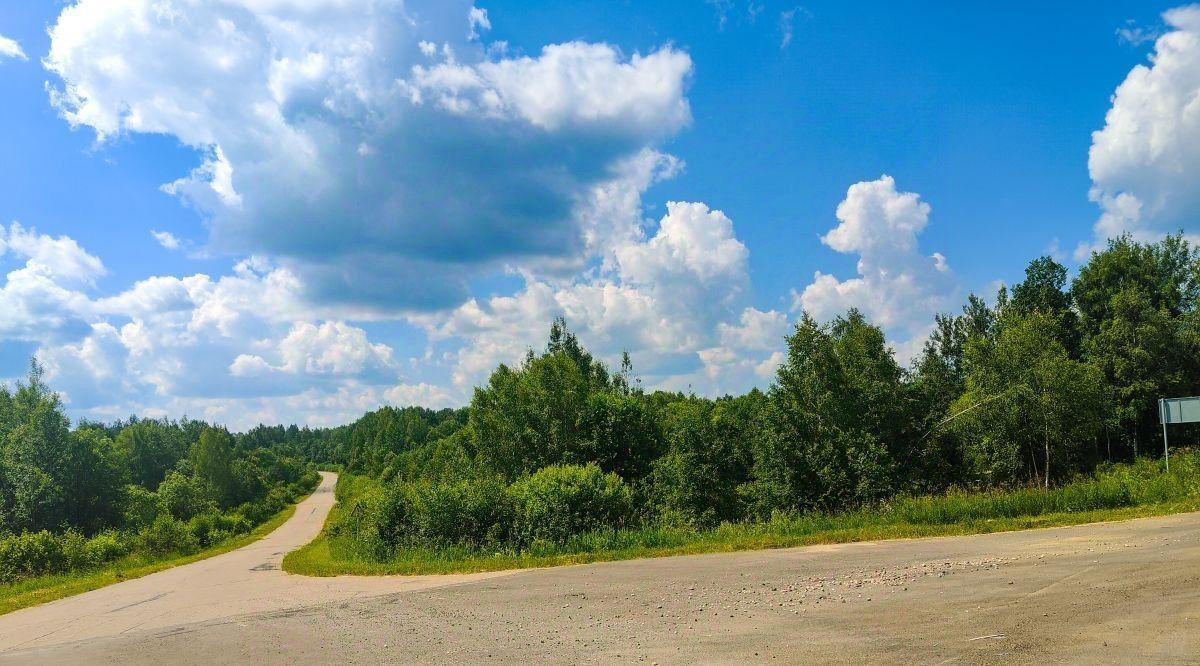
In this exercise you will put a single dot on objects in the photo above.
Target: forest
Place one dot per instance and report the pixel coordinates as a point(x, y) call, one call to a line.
point(1050, 382)
point(77, 499)
point(1039, 391)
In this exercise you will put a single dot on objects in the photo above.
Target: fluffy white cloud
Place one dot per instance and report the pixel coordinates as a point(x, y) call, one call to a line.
point(330, 141)
point(1144, 162)
point(235, 348)
point(59, 258)
point(332, 348)
point(674, 300)
point(40, 298)
point(9, 48)
point(898, 287)
point(478, 20)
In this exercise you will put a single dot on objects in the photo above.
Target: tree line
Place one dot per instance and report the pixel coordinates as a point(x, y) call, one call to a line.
point(74, 499)
point(1043, 383)
point(1046, 382)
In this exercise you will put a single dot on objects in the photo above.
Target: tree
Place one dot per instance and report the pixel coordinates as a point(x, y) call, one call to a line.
point(92, 480)
point(184, 496)
point(211, 458)
point(829, 423)
point(543, 413)
point(1138, 303)
point(939, 378)
point(149, 449)
point(696, 480)
point(1044, 291)
point(1027, 399)
point(35, 452)
point(621, 435)
point(1166, 273)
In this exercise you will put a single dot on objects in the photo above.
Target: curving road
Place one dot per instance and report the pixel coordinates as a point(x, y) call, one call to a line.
point(246, 581)
point(1125, 592)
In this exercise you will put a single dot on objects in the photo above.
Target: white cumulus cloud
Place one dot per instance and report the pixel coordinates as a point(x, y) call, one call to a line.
point(675, 299)
point(238, 348)
point(1144, 162)
point(897, 286)
point(167, 239)
point(375, 149)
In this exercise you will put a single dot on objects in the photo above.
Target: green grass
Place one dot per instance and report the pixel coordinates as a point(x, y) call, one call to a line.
point(43, 589)
point(1121, 493)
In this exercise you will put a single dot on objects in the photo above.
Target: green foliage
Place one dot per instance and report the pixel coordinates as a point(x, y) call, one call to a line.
point(560, 407)
point(1138, 309)
point(74, 500)
point(140, 506)
point(559, 501)
point(184, 496)
point(833, 424)
point(211, 458)
point(453, 513)
point(696, 481)
point(1030, 412)
point(167, 535)
point(150, 449)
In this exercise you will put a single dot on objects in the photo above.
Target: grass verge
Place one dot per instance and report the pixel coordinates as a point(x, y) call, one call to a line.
point(1125, 492)
point(43, 589)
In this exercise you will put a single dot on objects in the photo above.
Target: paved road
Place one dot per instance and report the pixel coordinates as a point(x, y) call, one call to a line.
point(247, 581)
point(1108, 593)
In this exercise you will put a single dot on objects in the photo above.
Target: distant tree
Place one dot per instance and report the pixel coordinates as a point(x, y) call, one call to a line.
point(212, 460)
point(149, 449)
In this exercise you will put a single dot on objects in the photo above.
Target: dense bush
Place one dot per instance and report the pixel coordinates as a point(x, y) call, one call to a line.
point(560, 501)
point(467, 513)
point(185, 496)
point(166, 535)
point(31, 554)
point(152, 531)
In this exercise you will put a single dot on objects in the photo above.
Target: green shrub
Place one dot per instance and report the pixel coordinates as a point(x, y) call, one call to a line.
point(185, 496)
point(107, 546)
point(167, 535)
point(212, 528)
point(75, 551)
point(460, 513)
point(139, 506)
point(561, 501)
point(30, 554)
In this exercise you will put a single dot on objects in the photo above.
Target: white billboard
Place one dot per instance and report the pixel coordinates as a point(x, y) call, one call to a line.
point(1179, 410)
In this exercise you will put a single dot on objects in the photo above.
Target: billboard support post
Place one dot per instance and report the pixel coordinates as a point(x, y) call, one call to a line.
point(1163, 417)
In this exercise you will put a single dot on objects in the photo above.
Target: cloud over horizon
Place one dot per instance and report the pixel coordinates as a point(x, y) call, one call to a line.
point(897, 287)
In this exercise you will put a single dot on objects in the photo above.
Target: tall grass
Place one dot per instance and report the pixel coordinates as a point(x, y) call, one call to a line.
point(1114, 492)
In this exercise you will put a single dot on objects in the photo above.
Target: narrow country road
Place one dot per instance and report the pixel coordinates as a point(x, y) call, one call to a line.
point(1125, 592)
point(241, 582)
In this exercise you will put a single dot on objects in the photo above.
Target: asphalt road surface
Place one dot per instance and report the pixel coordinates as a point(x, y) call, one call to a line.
point(1124, 592)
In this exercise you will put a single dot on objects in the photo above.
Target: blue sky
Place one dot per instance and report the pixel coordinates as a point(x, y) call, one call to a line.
point(379, 205)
